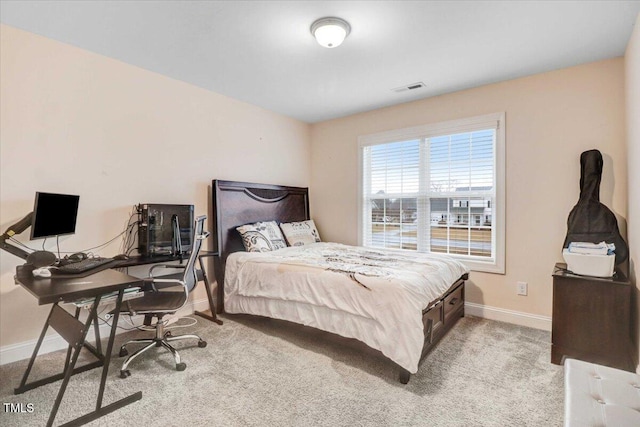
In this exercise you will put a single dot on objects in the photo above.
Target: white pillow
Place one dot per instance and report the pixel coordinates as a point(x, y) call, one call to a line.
point(300, 233)
point(262, 236)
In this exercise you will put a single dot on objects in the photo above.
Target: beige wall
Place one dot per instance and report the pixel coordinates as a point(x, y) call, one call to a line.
point(550, 119)
point(75, 122)
point(632, 73)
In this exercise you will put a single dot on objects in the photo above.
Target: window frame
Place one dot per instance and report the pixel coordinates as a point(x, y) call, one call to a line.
point(469, 124)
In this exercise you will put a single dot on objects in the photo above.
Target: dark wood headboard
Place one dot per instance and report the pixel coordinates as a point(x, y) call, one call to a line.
point(238, 203)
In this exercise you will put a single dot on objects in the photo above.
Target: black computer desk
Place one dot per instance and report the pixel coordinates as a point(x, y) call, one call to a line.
point(93, 285)
point(61, 290)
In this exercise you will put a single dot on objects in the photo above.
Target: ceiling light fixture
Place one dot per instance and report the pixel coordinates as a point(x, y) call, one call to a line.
point(330, 32)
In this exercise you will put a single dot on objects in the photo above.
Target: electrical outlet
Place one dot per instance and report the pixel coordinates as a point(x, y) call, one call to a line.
point(522, 288)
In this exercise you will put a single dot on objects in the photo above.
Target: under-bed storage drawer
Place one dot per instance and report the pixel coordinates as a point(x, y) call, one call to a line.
point(453, 302)
point(433, 318)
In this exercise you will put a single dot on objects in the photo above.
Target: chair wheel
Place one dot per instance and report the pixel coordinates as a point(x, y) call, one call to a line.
point(123, 352)
point(168, 334)
point(125, 373)
point(202, 343)
point(181, 366)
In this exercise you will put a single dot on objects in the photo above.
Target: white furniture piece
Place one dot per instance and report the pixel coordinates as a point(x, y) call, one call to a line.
point(597, 395)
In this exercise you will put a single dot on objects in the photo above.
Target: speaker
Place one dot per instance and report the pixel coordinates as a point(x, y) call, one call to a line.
point(41, 259)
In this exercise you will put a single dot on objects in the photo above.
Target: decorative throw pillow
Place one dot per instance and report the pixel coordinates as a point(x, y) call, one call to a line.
point(300, 233)
point(262, 237)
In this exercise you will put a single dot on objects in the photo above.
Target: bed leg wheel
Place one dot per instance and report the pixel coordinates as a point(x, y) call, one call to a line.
point(404, 376)
point(181, 366)
point(202, 343)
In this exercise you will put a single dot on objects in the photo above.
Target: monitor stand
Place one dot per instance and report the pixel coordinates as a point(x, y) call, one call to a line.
point(13, 230)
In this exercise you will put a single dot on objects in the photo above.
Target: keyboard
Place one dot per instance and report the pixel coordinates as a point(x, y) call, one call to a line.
point(84, 265)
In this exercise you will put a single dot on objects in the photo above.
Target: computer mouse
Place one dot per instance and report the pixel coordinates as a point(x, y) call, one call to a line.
point(41, 272)
point(78, 256)
point(120, 257)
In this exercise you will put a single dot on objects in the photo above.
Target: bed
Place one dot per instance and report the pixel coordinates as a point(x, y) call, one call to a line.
point(383, 298)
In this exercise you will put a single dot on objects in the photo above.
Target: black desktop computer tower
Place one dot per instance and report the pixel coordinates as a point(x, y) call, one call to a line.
point(164, 229)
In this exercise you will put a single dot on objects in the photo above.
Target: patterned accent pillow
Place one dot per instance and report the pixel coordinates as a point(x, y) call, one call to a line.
point(300, 233)
point(262, 237)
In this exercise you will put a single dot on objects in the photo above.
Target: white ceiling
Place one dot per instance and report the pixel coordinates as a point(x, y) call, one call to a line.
point(262, 52)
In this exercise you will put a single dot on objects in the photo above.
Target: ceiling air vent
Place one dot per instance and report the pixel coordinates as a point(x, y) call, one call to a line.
point(412, 86)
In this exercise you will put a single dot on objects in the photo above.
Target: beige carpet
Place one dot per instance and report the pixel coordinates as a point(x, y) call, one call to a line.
point(261, 372)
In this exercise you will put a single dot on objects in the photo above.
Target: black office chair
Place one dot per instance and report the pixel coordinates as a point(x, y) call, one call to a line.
point(165, 296)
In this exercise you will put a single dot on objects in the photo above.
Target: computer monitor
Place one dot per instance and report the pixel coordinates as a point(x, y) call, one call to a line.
point(54, 215)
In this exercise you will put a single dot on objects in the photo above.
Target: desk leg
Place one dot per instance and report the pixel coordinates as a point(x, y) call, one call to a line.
point(78, 337)
point(96, 330)
point(70, 348)
point(22, 387)
point(97, 350)
point(107, 356)
point(100, 410)
point(75, 333)
point(104, 410)
point(211, 313)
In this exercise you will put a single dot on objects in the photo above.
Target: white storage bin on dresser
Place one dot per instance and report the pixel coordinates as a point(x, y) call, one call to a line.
point(589, 265)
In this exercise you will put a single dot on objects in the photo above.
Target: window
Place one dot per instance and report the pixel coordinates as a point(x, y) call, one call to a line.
point(436, 188)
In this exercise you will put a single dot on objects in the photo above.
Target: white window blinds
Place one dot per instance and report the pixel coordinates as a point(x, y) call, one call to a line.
point(435, 190)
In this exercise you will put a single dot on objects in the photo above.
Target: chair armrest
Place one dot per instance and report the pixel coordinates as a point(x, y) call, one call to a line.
point(178, 281)
point(180, 267)
point(149, 284)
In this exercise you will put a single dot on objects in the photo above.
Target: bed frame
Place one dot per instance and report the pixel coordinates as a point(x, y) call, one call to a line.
point(238, 203)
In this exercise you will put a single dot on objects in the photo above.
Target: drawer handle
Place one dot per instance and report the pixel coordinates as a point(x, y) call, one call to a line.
point(453, 301)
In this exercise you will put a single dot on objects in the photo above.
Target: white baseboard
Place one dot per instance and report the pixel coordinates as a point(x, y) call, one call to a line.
point(510, 316)
point(14, 352)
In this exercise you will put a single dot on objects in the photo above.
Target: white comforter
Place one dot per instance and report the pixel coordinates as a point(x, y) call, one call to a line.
point(371, 295)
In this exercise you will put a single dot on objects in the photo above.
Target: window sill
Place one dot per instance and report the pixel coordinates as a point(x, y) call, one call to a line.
point(483, 266)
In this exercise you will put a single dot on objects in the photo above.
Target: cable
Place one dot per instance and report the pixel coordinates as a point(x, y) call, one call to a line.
point(133, 240)
point(107, 322)
point(567, 271)
point(43, 242)
point(102, 321)
point(128, 318)
point(18, 242)
point(126, 227)
point(126, 244)
point(102, 245)
point(58, 244)
point(14, 240)
point(148, 328)
point(130, 241)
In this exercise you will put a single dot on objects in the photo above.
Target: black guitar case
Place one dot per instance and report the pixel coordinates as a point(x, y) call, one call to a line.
point(590, 220)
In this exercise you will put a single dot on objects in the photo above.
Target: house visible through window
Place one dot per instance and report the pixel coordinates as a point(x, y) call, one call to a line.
point(437, 188)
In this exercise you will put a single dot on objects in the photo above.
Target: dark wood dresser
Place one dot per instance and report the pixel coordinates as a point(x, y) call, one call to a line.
point(592, 319)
